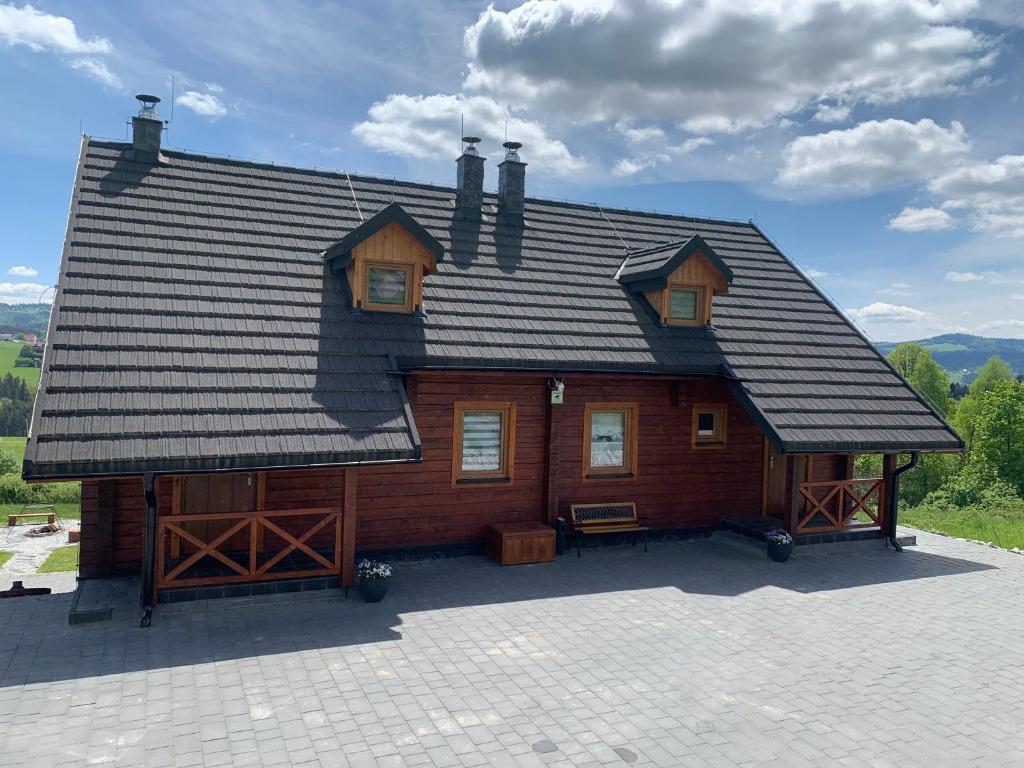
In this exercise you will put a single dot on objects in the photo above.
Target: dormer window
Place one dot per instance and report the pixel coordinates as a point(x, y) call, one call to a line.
point(385, 259)
point(684, 304)
point(678, 280)
point(387, 287)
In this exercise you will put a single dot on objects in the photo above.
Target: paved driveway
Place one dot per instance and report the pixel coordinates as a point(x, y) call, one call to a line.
point(698, 653)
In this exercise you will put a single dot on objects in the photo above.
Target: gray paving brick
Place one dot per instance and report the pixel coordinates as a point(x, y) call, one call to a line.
point(697, 653)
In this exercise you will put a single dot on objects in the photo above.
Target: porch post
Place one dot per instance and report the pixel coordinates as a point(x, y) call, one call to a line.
point(889, 461)
point(148, 548)
point(348, 535)
point(554, 430)
point(797, 471)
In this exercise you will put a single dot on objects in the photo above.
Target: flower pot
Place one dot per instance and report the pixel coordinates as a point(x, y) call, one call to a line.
point(373, 590)
point(780, 552)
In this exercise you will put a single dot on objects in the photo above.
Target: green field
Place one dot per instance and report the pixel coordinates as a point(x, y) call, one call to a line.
point(970, 523)
point(14, 446)
point(64, 511)
point(8, 353)
point(4, 557)
point(61, 559)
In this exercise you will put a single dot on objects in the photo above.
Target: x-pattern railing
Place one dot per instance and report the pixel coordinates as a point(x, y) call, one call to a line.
point(832, 505)
point(251, 562)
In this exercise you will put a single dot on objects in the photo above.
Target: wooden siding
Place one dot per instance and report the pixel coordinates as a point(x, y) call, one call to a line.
point(404, 505)
point(696, 272)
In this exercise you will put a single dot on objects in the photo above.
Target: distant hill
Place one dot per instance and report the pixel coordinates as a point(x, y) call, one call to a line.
point(24, 318)
point(962, 354)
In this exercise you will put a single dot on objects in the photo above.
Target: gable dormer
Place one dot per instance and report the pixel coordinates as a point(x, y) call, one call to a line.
point(679, 280)
point(385, 259)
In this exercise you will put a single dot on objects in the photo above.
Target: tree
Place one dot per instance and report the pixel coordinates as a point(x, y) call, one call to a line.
point(916, 365)
point(993, 372)
point(997, 450)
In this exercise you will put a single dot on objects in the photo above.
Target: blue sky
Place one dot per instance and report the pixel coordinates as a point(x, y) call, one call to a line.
point(877, 142)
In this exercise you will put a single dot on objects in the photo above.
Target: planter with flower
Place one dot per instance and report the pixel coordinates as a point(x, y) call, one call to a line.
point(780, 544)
point(374, 580)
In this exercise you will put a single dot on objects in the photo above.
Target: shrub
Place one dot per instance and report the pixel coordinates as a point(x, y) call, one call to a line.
point(14, 490)
point(9, 464)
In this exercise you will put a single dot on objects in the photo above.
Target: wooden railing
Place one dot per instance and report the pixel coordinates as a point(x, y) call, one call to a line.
point(838, 505)
point(237, 547)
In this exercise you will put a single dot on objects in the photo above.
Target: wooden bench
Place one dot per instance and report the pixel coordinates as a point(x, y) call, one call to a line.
point(617, 517)
point(51, 517)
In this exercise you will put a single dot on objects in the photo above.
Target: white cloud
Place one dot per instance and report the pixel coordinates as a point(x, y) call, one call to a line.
point(629, 166)
point(963, 277)
point(22, 271)
point(870, 156)
point(813, 273)
point(1017, 296)
point(921, 220)
point(639, 135)
point(1004, 326)
point(98, 71)
point(879, 311)
point(693, 144)
point(45, 32)
point(993, 193)
point(205, 104)
point(897, 289)
point(831, 113)
point(23, 293)
point(722, 66)
point(422, 126)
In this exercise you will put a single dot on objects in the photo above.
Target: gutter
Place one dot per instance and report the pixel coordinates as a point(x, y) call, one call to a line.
point(148, 549)
point(892, 496)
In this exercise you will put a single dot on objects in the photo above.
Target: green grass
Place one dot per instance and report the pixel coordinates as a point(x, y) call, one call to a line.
point(61, 559)
point(8, 353)
point(14, 446)
point(4, 557)
point(969, 523)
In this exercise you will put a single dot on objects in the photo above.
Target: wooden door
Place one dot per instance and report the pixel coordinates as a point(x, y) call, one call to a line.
point(202, 494)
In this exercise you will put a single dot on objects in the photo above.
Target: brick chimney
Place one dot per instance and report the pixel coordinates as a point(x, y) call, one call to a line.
point(469, 188)
point(147, 129)
point(511, 186)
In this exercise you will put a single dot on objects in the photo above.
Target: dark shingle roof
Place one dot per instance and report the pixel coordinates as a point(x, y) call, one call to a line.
point(654, 265)
point(196, 327)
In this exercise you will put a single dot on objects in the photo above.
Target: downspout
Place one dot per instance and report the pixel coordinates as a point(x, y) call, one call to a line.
point(892, 496)
point(148, 549)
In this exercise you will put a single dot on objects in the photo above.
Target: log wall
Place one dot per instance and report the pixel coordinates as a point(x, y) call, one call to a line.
point(676, 485)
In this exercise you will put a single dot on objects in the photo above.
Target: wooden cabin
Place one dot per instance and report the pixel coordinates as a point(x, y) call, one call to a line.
point(259, 372)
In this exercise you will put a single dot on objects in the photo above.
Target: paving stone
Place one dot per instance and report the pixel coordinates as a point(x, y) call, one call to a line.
point(698, 653)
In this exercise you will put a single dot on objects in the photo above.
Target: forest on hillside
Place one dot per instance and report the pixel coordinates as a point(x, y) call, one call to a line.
point(978, 494)
point(24, 318)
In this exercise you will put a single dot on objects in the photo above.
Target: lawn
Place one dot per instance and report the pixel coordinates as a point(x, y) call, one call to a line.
point(970, 523)
point(61, 559)
point(4, 557)
point(8, 353)
point(14, 446)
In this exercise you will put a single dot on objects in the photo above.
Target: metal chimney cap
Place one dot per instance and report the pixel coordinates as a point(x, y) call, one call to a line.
point(148, 103)
point(512, 150)
point(471, 142)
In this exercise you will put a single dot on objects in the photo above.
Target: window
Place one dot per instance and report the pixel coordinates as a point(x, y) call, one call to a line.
point(709, 422)
point(686, 306)
point(683, 304)
point(388, 287)
point(484, 449)
point(609, 440)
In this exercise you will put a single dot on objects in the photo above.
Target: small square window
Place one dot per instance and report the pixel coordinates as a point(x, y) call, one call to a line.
point(709, 423)
point(388, 287)
point(683, 304)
